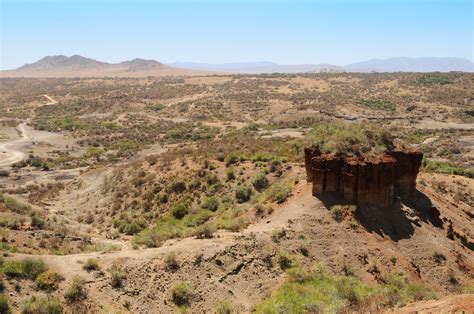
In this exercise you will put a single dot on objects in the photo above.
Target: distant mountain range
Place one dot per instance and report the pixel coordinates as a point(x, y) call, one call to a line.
point(78, 66)
point(402, 64)
point(259, 67)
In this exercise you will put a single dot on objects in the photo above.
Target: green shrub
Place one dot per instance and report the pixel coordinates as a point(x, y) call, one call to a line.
point(4, 304)
point(444, 167)
point(263, 157)
point(129, 228)
point(155, 107)
point(313, 291)
point(178, 187)
point(297, 274)
point(260, 182)
point(91, 264)
point(13, 269)
point(433, 79)
point(337, 212)
point(278, 234)
point(27, 268)
point(76, 291)
point(230, 175)
point(223, 308)
point(205, 231)
point(279, 192)
point(181, 293)
point(243, 193)
point(117, 276)
point(350, 138)
point(439, 257)
point(133, 228)
point(49, 280)
point(377, 104)
point(171, 261)
point(285, 260)
point(179, 210)
point(211, 203)
point(469, 289)
point(37, 222)
point(232, 159)
point(13, 205)
point(41, 305)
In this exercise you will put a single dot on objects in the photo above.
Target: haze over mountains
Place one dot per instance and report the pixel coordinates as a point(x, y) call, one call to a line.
point(401, 64)
point(78, 66)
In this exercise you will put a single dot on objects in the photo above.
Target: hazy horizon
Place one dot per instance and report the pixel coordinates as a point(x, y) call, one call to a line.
point(298, 32)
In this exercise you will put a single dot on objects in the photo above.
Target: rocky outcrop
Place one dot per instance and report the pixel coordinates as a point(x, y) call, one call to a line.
point(364, 180)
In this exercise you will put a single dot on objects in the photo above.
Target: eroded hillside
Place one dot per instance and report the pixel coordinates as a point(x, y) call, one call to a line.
point(191, 194)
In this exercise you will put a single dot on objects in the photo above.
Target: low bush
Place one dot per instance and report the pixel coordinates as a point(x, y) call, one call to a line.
point(41, 305)
point(230, 175)
point(27, 268)
point(91, 264)
point(13, 205)
point(129, 227)
point(49, 280)
point(446, 168)
point(232, 159)
point(314, 291)
point(205, 231)
point(155, 107)
point(350, 138)
point(117, 276)
point(171, 262)
point(76, 291)
point(178, 186)
point(37, 221)
point(279, 192)
point(179, 210)
point(433, 79)
point(285, 260)
point(260, 182)
point(337, 212)
point(377, 104)
point(4, 304)
point(223, 308)
point(181, 293)
point(243, 193)
point(211, 203)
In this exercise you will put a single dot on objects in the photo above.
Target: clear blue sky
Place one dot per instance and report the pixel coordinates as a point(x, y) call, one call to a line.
point(211, 31)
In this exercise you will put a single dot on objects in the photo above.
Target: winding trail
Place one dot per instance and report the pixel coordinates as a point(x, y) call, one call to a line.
point(9, 154)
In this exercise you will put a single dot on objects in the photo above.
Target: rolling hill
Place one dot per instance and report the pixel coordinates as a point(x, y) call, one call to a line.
point(78, 66)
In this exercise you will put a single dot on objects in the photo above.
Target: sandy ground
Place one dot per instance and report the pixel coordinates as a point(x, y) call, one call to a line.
point(430, 124)
point(463, 303)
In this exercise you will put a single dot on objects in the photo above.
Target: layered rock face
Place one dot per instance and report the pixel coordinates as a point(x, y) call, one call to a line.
point(373, 181)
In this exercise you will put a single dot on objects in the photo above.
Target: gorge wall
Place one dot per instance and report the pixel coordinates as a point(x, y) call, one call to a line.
point(364, 180)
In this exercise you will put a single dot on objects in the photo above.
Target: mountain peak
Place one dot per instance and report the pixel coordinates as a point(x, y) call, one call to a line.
point(138, 64)
point(61, 62)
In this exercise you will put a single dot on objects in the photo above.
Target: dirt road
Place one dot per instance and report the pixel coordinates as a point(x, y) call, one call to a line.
point(9, 153)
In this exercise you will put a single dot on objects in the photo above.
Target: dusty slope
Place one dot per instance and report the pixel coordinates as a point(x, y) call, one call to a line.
point(451, 304)
point(243, 268)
